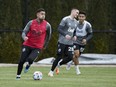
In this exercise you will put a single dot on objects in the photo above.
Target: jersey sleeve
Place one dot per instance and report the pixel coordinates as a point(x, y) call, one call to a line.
point(61, 26)
point(26, 29)
point(89, 32)
point(48, 34)
point(63, 22)
point(89, 28)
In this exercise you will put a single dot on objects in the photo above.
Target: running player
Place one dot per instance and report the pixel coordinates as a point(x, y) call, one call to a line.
point(65, 42)
point(84, 34)
point(36, 36)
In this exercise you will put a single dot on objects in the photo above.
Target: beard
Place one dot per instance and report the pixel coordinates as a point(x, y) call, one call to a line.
point(40, 19)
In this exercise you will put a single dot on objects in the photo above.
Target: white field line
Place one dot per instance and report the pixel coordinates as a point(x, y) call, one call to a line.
point(49, 65)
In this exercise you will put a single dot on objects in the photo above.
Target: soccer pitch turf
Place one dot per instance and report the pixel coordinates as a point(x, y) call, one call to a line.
point(90, 77)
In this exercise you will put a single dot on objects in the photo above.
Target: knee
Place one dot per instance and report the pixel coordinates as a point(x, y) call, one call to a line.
point(21, 62)
point(30, 60)
point(70, 56)
point(77, 54)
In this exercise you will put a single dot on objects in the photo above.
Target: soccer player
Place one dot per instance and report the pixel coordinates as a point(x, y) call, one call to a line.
point(36, 36)
point(84, 34)
point(65, 42)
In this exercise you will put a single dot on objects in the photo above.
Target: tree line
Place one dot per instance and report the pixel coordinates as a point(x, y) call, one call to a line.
point(14, 14)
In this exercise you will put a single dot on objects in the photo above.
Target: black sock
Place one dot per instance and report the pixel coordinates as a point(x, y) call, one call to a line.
point(65, 60)
point(20, 67)
point(55, 63)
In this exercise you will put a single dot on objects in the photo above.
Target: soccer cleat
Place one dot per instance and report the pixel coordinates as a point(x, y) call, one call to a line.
point(57, 71)
point(26, 68)
point(18, 77)
point(68, 66)
point(50, 74)
point(78, 72)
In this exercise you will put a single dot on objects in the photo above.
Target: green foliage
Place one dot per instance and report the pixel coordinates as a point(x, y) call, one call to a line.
point(10, 47)
point(100, 13)
point(10, 14)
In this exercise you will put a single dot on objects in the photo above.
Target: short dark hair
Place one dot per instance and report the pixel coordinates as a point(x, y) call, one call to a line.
point(40, 9)
point(74, 9)
point(82, 12)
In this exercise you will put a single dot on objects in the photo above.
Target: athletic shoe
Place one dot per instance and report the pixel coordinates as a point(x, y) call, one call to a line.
point(68, 66)
point(78, 72)
point(18, 77)
point(57, 71)
point(26, 68)
point(50, 74)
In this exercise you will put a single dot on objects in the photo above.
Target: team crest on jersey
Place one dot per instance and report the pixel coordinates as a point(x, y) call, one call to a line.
point(69, 23)
point(74, 46)
point(24, 49)
point(59, 50)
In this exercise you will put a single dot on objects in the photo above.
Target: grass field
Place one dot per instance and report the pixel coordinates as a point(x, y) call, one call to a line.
point(90, 77)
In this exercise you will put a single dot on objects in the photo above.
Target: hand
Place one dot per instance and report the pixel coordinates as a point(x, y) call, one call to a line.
point(84, 41)
point(68, 37)
point(74, 38)
point(25, 38)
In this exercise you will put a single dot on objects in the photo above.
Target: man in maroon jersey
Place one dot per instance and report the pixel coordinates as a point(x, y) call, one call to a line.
point(36, 36)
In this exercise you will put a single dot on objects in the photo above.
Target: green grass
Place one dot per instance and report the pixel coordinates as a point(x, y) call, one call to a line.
point(90, 77)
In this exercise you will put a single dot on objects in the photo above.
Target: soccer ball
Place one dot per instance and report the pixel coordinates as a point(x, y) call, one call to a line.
point(37, 75)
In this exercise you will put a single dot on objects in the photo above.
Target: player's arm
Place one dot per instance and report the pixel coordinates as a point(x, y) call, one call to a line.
point(61, 27)
point(26, 30)
point(89, 32)
point(74, 35)
point(60, 30)
point(48, 35)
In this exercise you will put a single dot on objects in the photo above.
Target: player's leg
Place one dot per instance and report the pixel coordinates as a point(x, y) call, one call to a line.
point(32, 56)
point(69, 57)
point(24, 55)
point(78, 50)
point(65, 56)
point(69, 50)
point(76, 61)
point(60, 52)
point(70, 62)
point(68, 66)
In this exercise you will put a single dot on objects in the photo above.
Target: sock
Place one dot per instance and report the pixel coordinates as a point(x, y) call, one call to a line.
point(76, 67)
point(18, 75)
point(51, 72)
point(58, 64)
point(70, 62)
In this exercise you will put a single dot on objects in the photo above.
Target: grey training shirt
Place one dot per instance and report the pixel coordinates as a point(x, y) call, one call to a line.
point(83, 31)
point(66, 27)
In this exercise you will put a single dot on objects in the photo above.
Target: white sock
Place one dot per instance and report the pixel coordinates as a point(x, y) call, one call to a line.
point(70, 63)
point(58, 65)
point(51, 72)
point(77, 67)
point(18, 75)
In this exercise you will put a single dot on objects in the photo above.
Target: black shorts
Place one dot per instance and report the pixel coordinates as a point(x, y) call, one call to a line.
point(29, 53)
point(65, 50)
point(79, 47)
